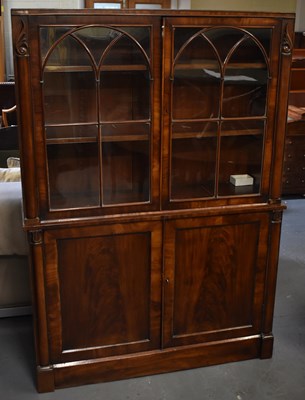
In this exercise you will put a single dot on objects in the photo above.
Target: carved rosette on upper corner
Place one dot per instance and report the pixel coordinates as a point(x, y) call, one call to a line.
point(287, 43)
point(21, 42)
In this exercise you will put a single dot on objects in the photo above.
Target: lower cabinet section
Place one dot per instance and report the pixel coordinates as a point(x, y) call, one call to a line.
point(141, 297)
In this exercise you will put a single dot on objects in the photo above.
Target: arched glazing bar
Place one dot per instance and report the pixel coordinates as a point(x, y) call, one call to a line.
point(121, 33)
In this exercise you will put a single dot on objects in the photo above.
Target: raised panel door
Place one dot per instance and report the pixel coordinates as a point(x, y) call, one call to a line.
point(214, 278)
point(103, 290)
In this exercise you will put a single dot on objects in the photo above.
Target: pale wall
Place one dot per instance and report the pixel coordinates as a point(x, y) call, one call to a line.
point(300, 16)
point(246, 5)
point(8, 4)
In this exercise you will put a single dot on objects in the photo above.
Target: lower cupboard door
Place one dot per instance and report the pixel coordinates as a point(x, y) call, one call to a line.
point(214, 278)
point(103, 290)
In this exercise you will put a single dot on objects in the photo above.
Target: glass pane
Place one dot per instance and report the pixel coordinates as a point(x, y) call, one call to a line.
point(194, 147)
point(125, 51)
point(113, 47)
point(197, 81)
point(48, 36)
point(223, 39)
point(69, 97)
point(124, 95)
point(117, 132)
point(69, 84)
point(67, 54)
point(241, 150)
point(125, 82)
point(263, 36)
point(182, 36)
point(97, 39)
point(245, 82)
point(73, 175)
point(126, 163)
point(141, 35)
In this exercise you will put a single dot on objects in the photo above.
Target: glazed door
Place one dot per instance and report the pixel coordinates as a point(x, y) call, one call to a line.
point(98, 82)
point(103, 290)
point(219, 83)
point(214, 278)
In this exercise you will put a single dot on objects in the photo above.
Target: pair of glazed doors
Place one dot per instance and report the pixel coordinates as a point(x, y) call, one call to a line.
point(162, 109)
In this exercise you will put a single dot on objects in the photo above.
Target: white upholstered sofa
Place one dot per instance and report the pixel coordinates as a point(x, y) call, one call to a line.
point(14, 269)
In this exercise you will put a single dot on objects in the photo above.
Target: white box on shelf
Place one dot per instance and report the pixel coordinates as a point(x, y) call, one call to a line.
point(241, 180)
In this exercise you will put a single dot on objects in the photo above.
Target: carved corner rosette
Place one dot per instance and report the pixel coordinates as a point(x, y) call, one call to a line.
point(36, 237)
point(287, 43)
point(21, 43)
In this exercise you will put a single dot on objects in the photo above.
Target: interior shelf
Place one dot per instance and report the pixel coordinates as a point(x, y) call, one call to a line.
point(212, 65)
point(71, 140)
point(120, 138)
point(197, 135)
point(88, 68)
point(206, 190)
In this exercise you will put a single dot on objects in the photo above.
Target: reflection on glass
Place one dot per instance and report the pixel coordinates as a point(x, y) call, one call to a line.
point(96, 39)
point(196, 86)
point(244, 93)
point(48, 36)
point(245, 81)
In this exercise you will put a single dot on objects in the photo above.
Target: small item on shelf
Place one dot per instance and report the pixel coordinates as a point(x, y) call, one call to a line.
point(295, 113)
point(241, 180)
